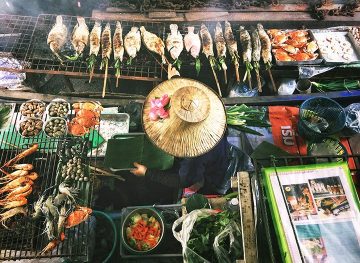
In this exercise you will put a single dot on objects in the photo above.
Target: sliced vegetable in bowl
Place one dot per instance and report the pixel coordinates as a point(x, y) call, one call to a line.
point(142, 230)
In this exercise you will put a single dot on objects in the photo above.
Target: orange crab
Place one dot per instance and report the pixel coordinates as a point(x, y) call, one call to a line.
point(297, 33)
point(274, 32)
point(311, 47)
point(78, 216)
point(89, 105)
point(290, 49)
point(280, 39)
point(282, 55)
point(77, 129)
point(294, 43)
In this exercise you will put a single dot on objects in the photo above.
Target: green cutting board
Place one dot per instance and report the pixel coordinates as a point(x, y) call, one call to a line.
point(125, 149)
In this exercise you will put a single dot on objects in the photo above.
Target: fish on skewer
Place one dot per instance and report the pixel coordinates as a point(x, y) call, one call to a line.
point(118, 45)
point(232, 48)
point(105, 53)
point(95, 36)
point(153, 43)
point(256, 55)
point(266, 52)
point(175, 45)
point(192, 44)
point(220, 45)
point(79, 38)
point(207, 49)
point(245, 40)
point(132, 43)
point(57, 37)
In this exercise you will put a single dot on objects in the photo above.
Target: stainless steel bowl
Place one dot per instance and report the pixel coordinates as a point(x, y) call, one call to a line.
point(150, 212)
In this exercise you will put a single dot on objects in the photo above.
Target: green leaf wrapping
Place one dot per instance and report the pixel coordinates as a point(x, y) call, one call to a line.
point(197, 65)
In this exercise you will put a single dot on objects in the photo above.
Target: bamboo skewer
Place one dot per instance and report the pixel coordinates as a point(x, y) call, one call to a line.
point(117, 80)
point(105, 78)
point(237, 73)
point(216, 80)
point(272, 80)
point(91, 74)
point(225, 76)
point(258, 79)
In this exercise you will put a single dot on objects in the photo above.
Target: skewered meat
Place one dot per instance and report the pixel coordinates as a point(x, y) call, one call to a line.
point(174, 42)
point(153, 43)
point(207, 42)
point(192, 42)
point(80, 36)
point(57, 37)
point(106, 42)
point(118, 43)
point(95, 39)
point(232, 48)
point(265, 45)
point(132, 42)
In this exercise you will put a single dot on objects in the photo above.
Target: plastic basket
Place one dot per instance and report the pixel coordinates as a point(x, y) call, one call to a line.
point(320, 117)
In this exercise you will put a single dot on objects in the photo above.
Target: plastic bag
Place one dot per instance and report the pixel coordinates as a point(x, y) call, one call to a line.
point(227, 244)
point(353, 117)
point(183, 235)
point(230, 238)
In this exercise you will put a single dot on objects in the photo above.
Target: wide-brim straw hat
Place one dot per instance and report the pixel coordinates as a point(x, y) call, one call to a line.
point(197, 120)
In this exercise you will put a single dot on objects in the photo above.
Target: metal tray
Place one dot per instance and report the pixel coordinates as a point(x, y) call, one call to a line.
point(319, 34)
point(316, 61)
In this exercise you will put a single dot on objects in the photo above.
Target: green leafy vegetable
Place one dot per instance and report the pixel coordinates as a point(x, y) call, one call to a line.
point(197, 65)
point(204, 231)
point(5, 110)
point(336, 85)
point(239, 117)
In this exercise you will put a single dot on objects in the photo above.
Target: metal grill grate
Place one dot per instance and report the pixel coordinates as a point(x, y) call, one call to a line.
point(26, 238)
point(269, 244)
point(144, 66)
point(15, 38)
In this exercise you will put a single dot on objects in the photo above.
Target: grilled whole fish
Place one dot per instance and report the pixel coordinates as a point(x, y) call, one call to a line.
point(132, 42)
point(220, 45)
point(57, 37)
point(256, 56)
point(207, 42)
point(245, 40)
point(106, 42)
point(265, 44)
point(118, 43)
point(192, 42)
point(80, 36)
point(95, 39)
point(231, 41)
point(174, 42)
point(153, 43)
point(256, 46)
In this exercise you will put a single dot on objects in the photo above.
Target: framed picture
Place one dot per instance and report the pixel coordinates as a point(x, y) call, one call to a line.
point(315, 209)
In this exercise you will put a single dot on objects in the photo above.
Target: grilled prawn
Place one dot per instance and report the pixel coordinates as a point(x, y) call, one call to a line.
point(57, 37)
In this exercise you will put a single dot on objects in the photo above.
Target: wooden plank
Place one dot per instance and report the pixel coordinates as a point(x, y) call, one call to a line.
point(22, 96)
point(162, 15)
point(205, 16)
point(247, 217)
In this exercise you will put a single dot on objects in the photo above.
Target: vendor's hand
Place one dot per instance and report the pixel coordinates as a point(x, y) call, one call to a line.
point(172, 71)
point(196, 187)
point(140, 169)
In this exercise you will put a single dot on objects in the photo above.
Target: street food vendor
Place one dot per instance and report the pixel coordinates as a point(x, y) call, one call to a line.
point(183, 123)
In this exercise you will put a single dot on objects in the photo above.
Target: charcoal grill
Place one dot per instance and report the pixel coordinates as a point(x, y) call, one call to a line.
point(26, 238)
point(265, 226)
